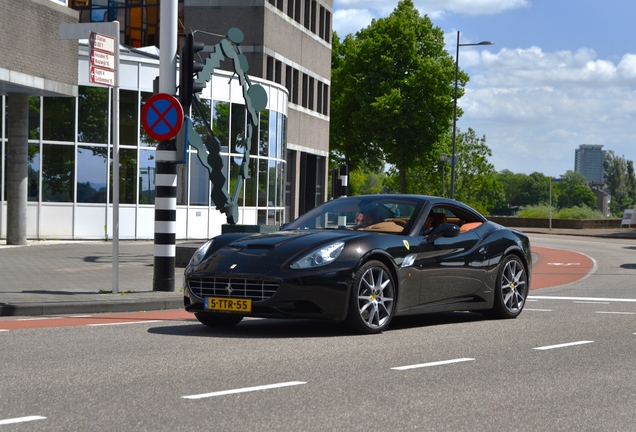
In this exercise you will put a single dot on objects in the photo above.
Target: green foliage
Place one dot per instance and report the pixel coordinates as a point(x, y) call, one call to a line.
point(392, 94)
point(574, 191)
point(476, 181)
point(620, 181)
point(543, 212)
point(537, 211)
point(579, 212)
point(525, 190)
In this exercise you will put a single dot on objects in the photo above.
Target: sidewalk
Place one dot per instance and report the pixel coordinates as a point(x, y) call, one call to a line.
point(75, 277)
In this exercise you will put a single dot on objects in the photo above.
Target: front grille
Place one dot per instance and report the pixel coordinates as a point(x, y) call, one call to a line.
point(255, 289)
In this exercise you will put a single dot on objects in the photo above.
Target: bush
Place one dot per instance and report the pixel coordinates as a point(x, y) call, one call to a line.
point(543, 212)
point(580, 212)
point(537, 212)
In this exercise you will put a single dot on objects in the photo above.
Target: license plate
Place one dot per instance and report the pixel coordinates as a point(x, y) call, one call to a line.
point(228, 304)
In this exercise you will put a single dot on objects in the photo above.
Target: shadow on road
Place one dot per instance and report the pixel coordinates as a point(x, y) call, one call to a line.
point(255, 328)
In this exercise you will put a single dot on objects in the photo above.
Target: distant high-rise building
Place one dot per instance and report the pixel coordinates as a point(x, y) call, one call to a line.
point(588, 160)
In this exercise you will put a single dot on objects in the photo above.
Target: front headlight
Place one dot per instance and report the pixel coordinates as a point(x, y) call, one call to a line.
point(320, 257)
point(200, 254)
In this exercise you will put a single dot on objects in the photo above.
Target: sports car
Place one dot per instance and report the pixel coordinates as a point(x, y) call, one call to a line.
point(363, 260)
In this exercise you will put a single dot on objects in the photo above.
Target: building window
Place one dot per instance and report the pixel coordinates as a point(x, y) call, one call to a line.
point(59, 119)
point(328, 26)
point(33, 189)
point(278, 77)
point(295, 87)
point(321, 27)
point(91, 174)
point(307, 21)
point(289, 80)
point(297, 11)
point(311, 93)
point(92, 115)
point(58, 167)
point(269, 74)
point(314, 8)
point(128, 117)
point(305, 90)
point(319, 99)
point(290, 8)
point(280, 4)
point(127, 176)
point(147, 172)
point(325, 100)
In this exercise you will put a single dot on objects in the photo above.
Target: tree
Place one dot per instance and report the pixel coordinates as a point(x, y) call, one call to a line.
point(476, 181)
point(620, 180)
point(393, 91)
point(523, 190)
point(575, 191)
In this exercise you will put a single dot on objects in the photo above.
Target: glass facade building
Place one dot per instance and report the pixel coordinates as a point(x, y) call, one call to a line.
point(588, 160)
point(70, 159)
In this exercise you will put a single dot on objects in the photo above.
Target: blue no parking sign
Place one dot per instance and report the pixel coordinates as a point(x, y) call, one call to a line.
point(162, 116)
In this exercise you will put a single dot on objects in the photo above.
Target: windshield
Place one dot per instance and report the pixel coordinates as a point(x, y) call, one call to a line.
point(382, 213)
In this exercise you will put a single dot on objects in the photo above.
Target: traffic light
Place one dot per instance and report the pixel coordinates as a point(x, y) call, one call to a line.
point(189, 67)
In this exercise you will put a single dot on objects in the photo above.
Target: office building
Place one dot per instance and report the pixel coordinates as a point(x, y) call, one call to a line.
point(588, 160)
point(287, 44)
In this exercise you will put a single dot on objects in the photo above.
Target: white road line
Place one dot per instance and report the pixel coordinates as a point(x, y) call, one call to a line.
point(438, 363)
point(4, 330)
point(38, 319)
point(563, 345)
point(583, 299)
point(21, 420)
point(590, 302)
point(537, 310)
point(617, 313)
point(244, 390)
point(120, 323)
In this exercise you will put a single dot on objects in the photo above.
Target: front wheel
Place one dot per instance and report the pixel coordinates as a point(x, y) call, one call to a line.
point(219, 320)
point(372, 302)
point(511, 290)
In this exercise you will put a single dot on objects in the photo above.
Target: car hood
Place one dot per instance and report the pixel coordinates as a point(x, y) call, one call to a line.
point(264, 253)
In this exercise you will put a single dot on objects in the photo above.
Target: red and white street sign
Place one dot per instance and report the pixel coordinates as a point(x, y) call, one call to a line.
point(103, 60)
point(102, 42)
point(102, 76)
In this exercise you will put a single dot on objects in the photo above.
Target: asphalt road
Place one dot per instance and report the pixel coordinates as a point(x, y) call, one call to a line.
point(567, 363)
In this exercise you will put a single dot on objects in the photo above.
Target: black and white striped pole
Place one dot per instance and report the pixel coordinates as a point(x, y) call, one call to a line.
point(344, 180)
point(166, 156)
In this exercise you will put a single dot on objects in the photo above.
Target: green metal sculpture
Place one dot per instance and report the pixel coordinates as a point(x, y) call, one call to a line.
point(208, 152)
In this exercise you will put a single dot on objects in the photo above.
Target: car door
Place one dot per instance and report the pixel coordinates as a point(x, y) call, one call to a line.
point(449, 267)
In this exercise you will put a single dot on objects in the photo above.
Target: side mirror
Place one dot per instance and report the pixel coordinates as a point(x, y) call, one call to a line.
point(444, 230)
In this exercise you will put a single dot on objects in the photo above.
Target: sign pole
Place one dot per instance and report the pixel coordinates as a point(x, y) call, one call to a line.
point(166, 178)
point(116, 167)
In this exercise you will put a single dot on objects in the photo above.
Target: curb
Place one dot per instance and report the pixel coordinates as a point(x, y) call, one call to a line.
point(92, 307)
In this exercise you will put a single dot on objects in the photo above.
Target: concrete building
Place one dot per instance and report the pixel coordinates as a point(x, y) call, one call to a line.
point(68, 194)
point(588, 160)
point(33, 61)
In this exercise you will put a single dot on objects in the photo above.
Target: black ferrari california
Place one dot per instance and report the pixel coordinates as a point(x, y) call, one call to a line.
point(363, 260)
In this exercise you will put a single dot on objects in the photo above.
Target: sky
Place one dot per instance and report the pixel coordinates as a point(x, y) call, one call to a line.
point(561, 73)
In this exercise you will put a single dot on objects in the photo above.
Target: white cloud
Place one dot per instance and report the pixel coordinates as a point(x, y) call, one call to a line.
point(353, 15)
point(535, 107)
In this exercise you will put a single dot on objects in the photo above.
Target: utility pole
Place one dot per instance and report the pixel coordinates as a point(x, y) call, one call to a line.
point(166, 168)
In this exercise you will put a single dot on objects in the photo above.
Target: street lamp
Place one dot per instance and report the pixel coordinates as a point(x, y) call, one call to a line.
point(453, 160)
point(442, 159)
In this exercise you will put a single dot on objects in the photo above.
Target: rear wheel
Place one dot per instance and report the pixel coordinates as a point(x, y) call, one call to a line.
point(512, 289)
point(372, 302)
point(219, 320)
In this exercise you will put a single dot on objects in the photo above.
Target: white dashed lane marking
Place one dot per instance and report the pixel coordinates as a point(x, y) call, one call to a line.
point(563, 345)
point(437, 363)
point(244, 390)
point(21, 420)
